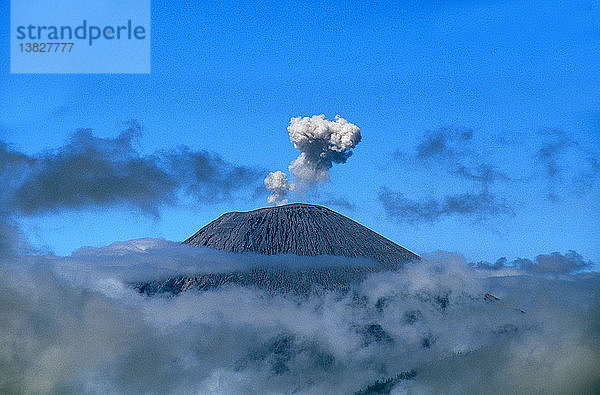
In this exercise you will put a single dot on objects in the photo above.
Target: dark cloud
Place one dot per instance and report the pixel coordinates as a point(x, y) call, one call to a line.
point(568, 167)
point(478, 206)
point(484, 174)
point(501, 263)
point(556, 142)
point(89, 171)
point(12, 164)
point(449, 151)
point(398, 206)
point(340, 202)
point(206, 176)
point(555, 263)
point(13, 242)
point(443, 143)
point(9, 236)
point(587, 179)
point(11, 159)
point(61, 111)
point(548, 156)
point(452, 150)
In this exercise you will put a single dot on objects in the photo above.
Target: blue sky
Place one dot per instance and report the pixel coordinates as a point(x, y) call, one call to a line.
point(521, 77)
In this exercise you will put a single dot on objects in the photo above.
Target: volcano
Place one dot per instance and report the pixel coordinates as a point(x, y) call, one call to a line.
point(298, 229)
point(295, 229)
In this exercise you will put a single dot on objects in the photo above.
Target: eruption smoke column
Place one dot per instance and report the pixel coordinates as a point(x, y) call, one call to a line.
point(321, 144)
point(277, 185)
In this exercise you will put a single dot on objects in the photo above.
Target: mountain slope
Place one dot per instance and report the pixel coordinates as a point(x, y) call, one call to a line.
point(299, 229)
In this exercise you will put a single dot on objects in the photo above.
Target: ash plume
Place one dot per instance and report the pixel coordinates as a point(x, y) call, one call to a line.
point(277, 184)
point(321, 144)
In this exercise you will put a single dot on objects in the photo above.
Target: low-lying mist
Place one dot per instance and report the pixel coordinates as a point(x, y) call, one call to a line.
point(76, 324)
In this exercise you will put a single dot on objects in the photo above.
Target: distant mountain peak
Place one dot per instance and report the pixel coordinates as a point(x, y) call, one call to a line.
point(299, 229)
point(143, 245)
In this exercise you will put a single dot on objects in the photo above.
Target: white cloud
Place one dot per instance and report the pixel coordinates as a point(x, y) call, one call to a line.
point(74, 325)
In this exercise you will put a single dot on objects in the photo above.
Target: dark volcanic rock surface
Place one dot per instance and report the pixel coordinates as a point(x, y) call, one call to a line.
point(300, 229)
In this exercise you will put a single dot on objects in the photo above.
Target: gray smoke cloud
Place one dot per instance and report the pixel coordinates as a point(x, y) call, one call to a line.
point(89, 171)
point(278, 186)
point(321, 144)
point(75, 325)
